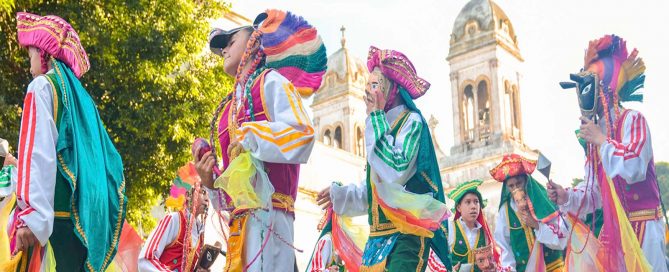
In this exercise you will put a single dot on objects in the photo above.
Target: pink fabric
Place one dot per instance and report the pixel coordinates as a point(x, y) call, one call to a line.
point(56, 37)
point(398, 68)
point(284, 177)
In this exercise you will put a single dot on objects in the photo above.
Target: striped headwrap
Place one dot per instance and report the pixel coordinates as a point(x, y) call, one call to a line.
point(293, 47)
point(54, 36)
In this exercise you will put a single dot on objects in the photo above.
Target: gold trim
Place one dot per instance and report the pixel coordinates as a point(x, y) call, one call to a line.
point(420, 254)
point(429, 182)
point(62, 214)
point(376, 226)
point(54, 92)
point(555, 265)
point(284, 202)
point(375, 233)
point(400, 117)
point(645, 215)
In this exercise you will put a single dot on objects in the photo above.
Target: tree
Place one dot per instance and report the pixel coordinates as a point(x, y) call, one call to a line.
point(576, 181)
point(151, 77)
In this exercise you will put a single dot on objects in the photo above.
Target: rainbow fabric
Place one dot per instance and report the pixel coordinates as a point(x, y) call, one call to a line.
point(582, 249)
point(349, 241)
point(186, 178)
point(622, 251)
point(293, 47)
point(415, 214)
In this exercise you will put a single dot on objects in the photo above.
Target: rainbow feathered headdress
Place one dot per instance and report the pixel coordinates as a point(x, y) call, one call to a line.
point(181, 185)
point(290, 45)
point(621, 72)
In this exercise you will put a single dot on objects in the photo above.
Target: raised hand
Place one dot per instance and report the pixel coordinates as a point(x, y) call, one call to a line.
point(591, 133)
point(556, 193)
point(323, 198)
point(204, 167)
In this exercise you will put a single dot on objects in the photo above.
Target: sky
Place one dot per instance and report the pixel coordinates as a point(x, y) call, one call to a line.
point(552, 37)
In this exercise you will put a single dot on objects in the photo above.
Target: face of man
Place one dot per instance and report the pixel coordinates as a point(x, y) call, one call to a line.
point(516, 182)
point(485, 261)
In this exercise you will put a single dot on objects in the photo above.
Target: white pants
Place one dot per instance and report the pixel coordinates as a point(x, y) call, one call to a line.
point(653, 245)
point(277, 255)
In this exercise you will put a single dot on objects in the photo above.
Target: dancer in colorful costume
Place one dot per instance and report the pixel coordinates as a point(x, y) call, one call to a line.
point(403, 193)
point(264, 134)
point(70, 184)
point(531, 225)
point(339, 246)
point(619, 170)
point(176, 243)
point(469, 229)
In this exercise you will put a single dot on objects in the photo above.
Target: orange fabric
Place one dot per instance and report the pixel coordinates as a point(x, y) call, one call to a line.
point(235, 256)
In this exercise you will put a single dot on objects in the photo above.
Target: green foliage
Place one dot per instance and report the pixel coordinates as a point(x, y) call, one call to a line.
point(575, 181)
point(151, 76)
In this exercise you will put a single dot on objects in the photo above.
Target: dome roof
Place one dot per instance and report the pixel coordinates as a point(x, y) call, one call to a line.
point(345, 74)
point(341, 63)
point(485, 22)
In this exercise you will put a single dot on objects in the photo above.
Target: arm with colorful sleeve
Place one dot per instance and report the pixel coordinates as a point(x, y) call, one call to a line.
point(393, 157)
point(323, 255)
point(390, 157)
point(288, 135)
point(162, 236)
point(37, 161)
point(629, 157)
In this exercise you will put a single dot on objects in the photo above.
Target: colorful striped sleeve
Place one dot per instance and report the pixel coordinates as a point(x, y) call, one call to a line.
point(322, 256)
point(629, 157)
point(288, 135)
point(36, 176)
point(163, 235)
point(393, 157)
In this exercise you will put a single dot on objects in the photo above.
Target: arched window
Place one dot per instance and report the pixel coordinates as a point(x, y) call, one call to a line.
point(327, 137)
point(483, 104)
point(468, 113)
point(337, 138)
point(515, 102)
point(359, 142)
point(508, 105)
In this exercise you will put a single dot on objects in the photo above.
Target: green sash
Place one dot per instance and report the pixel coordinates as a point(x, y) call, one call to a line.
point(461, 251)
point(522, 241)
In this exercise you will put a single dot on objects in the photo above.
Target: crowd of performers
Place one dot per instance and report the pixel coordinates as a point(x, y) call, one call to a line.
point(63, 196)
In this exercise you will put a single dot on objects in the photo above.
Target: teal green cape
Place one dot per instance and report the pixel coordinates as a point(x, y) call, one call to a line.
point(426, 162)
point(93, 168)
